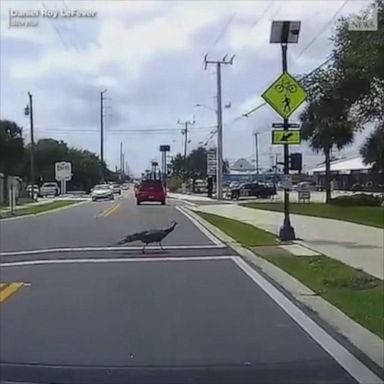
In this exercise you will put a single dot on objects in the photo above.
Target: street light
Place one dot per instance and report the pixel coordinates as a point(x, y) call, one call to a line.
point(28, 111)
point(284, 33)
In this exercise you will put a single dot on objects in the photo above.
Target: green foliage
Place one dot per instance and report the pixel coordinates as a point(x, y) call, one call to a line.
point(178, 165)
point(372, 150)
point(359, 199)
point(197, 163)
point(174, 183)
point(11, 147)
point(359, 58)
point(195, 166)
point(372, 216)
point(15, 159)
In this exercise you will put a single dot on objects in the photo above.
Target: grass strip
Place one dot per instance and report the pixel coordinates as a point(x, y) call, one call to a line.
point(34, 209)
point(245, 234)
point(358, 294)
point(372, 216)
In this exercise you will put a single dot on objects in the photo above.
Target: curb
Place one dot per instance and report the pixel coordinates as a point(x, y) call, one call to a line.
point(363, 339)
point(45, 212)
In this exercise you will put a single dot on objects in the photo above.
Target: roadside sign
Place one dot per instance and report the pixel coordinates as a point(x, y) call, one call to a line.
point(286, 137)
point(165, 148)
point(286, 181)
point(63, 171)
point(289, 125)
point(304, 195)
point(285, 95)
point(211, 163)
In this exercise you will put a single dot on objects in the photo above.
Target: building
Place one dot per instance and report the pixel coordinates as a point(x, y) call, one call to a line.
point(241, 165)
point(347, 174)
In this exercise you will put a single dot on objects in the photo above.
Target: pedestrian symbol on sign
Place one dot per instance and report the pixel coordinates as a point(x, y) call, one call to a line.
point(287, 104)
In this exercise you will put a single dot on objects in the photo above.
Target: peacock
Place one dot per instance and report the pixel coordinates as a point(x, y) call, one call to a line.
point(150, 236)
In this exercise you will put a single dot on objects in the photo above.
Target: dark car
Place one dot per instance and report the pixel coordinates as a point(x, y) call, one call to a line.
point(150, 190)
point(252, 189)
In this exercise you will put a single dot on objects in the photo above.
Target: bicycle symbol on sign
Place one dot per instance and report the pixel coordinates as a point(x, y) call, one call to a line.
point(286, 86)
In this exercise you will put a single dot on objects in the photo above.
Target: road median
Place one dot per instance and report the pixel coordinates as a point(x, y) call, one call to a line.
point(350, 300)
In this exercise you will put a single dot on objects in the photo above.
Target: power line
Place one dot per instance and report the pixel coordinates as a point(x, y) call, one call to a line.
point(321, 31)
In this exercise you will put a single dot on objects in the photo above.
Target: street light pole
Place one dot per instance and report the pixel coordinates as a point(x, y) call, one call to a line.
point(102, 132)
point(286, 231)
point(32, 151)
point(257, 152)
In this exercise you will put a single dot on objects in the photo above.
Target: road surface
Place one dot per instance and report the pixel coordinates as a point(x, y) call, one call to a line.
point(194, 312)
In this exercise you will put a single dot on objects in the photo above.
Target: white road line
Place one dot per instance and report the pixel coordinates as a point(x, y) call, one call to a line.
point(349, 362)
point(204, 230)
point(100, 249)
point(109, 260)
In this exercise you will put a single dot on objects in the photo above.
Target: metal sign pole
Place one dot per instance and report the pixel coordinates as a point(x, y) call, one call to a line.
point(286, 231)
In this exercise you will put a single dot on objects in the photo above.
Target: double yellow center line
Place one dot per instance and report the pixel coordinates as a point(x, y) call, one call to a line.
point(8, 289)
point(109, 211)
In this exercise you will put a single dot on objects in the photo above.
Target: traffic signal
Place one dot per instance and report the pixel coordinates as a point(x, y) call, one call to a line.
point(296, 162)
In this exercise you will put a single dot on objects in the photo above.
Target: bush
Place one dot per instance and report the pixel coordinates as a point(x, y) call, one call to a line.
point(359, 199)
point(175, 183)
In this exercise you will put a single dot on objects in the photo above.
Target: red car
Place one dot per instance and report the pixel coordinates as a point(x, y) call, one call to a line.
point(150, 190)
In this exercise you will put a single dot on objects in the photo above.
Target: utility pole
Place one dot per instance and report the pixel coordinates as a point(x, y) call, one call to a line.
point(219, 177)
point(185, 133)
point(102, 132)
point(32, 150)
point(257, 152)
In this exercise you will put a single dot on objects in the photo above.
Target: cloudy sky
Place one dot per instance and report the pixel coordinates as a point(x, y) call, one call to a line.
point(149, 56)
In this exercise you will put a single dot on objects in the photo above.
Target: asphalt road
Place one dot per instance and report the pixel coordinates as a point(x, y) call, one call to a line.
point(168, 316)
point(97, 224)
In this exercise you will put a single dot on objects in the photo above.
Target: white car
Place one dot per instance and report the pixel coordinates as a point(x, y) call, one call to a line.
point(48, 189)
point(102, 191)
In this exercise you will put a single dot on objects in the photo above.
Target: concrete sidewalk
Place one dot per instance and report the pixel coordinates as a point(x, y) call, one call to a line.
point(357, 245)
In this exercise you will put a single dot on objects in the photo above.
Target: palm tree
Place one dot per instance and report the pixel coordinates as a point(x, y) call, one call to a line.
point(325, 129)
point(372, 149)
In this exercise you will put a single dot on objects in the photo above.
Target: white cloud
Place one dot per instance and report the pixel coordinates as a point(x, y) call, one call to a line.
point(149, 54)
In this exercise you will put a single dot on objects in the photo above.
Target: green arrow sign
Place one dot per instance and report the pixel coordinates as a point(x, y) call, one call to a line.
point(286, 137)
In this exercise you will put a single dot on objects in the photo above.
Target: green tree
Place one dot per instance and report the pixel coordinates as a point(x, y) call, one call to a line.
point(11, 151)
point(358, 56)
point(11, 147)
point(47, 153)
point(326, 120)
point(86, 169)
point(372, 150)
point(178, 165)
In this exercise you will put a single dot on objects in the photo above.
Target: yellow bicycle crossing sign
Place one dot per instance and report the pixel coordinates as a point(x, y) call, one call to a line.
point(285, 95)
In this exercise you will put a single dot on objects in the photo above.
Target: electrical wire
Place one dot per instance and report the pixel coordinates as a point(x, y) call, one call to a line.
point(322, 29)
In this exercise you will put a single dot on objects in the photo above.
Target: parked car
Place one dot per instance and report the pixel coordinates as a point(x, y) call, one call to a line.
point(49, 189)
point(36, 190)
point(125, 186)
point(102, 191)
point(150, 190)
point(305, 186)
point(116, 188)
point(252, 189)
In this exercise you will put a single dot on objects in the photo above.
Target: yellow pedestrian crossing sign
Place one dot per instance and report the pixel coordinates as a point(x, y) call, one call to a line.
point(286, 137)
point(285, 95)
